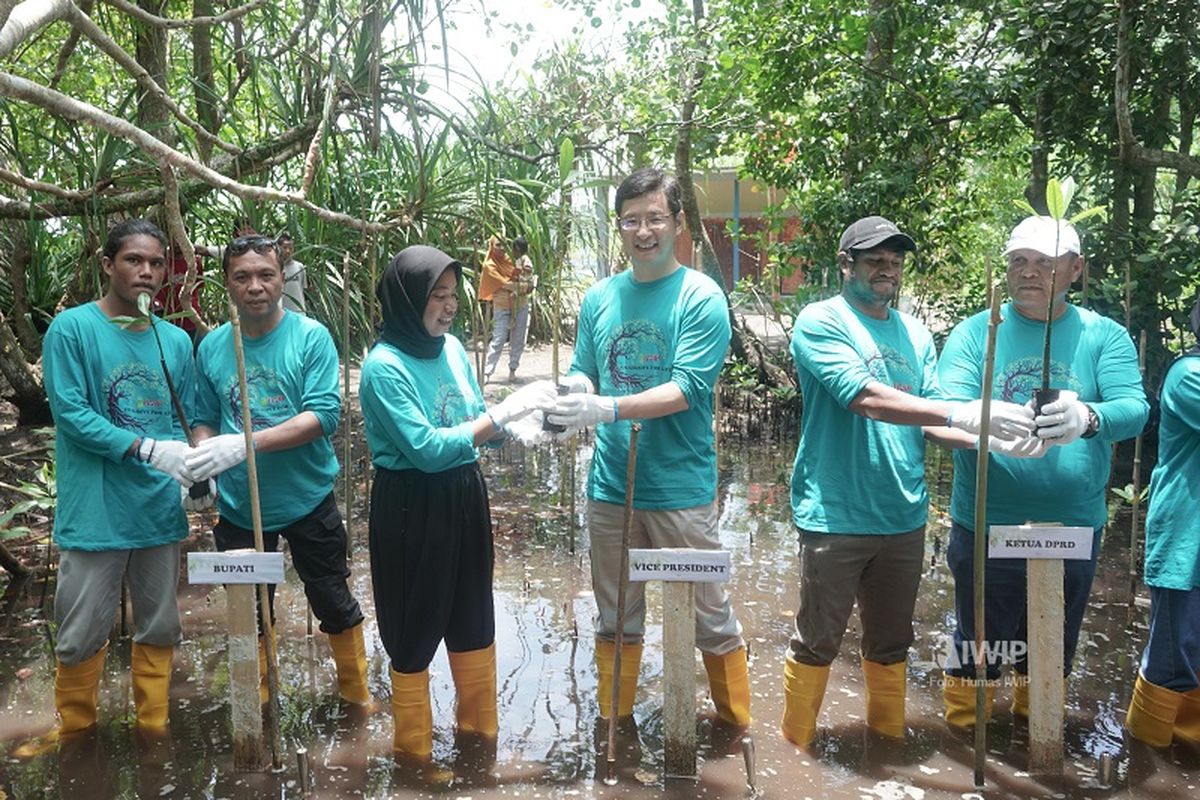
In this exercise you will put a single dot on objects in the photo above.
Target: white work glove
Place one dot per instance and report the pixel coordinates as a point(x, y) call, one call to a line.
point(576, 383)
point(575, 411)
point(217, 454)
point(167, 455)
point(199, 503)
point(1026, 447)
point(528, 431)
point(1008, 420)
point(1064, 420)
point(538, 395)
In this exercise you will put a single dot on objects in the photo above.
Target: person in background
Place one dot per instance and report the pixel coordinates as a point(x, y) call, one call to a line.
point(170, 302)
point(508, 283)
point(1094, 364)
point(120, 467)
point(292, 379)
point(1166, 696)
point(430, 524)
point(295, 276)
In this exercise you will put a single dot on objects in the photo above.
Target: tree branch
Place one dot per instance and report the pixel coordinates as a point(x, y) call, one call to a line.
point(17, 179)
point(59, 104)
point(102, 40)
point(28, 18)
point(165, 22)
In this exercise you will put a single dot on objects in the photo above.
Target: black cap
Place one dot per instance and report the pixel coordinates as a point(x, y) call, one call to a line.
point(870, 232)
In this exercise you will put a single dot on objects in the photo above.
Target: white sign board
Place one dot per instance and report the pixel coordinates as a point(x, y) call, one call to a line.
point(1039, 541)
point(235, 566)
point(680, 564)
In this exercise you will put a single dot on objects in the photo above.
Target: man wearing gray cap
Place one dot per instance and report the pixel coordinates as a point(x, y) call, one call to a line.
point(1101, 401)
point(867, 375)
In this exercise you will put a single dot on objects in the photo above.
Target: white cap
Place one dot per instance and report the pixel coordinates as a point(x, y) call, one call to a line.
point(1042, 234)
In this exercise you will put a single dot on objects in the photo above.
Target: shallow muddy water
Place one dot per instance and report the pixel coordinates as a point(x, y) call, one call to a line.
point(550, 742)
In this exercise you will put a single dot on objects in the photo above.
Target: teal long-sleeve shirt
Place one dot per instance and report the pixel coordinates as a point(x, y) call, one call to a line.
point(853, 474)
point(418, 412)
point(635, 336)
point(291, 369)
point(106, 389)
point(1172, 524)
point(1090, 355)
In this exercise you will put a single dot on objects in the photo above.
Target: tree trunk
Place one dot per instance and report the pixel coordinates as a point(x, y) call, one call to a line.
point(202, 67)
point(16, 267)
point(28, 395)
point(11, 563)
point(153, 115)
point(683, 157)
point(1039, 166)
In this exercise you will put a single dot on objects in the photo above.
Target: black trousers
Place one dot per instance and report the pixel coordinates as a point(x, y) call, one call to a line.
point(431, 563)
point(318, 545)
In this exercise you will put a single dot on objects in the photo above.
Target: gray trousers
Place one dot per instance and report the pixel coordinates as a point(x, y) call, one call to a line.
point(512, 327)
point(881, 572)
point(89, 593)
point(717, 629)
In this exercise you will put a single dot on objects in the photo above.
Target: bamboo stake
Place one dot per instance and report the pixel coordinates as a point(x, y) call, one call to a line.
point(622, 586)
point(271, 719)
point(348, 429)
point(1136, 500)
point(981, 490)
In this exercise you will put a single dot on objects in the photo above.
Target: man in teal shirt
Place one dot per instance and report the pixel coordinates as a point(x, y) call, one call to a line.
point(120, 462)
point(867, 375)
point(1166, 696)
point(292, 379)
point(1094, 365)
point(651, 343)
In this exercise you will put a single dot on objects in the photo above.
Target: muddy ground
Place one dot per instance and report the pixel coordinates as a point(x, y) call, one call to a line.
point(549, 738)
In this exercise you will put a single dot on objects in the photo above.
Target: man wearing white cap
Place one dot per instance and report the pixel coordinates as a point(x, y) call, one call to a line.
point(1093, 364)
point(859, 504)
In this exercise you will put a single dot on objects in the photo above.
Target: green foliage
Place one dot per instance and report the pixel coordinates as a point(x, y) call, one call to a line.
point(40, 495)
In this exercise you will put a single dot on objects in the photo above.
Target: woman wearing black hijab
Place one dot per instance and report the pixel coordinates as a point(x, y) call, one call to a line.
point(430, 527)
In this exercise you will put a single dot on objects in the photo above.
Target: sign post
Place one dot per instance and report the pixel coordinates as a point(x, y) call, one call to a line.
point(240, 570)
point(1044, 546)
point(680, 569)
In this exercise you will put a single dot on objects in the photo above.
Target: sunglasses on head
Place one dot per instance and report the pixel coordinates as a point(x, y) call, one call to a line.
point(256, 242)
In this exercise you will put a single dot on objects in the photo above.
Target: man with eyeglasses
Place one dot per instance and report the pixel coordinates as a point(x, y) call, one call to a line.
point(1101, 401)
point(295, 406)
point(650, 345)
point(859, 504)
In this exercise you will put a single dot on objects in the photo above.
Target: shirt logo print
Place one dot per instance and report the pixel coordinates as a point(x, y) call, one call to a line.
point(635, 356)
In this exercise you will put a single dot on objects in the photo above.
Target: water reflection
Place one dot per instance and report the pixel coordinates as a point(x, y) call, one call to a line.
point(550, 742)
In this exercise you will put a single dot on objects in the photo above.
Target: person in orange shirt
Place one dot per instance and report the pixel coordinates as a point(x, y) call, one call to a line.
point(508, 283)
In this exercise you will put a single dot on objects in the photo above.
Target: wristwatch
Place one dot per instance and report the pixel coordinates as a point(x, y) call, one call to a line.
point(1093, 424)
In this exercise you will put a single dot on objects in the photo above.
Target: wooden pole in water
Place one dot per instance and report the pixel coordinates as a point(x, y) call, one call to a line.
point(1136, 500)
point(981, 491)
point(622, 586)
point(271, 722)
point(348, 414)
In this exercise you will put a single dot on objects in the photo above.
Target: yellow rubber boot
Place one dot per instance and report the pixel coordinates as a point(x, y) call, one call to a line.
point(958, 695)
point(151, 667)
point(350, 656)
point(631, 665)
point(76, 692)
point(729, 682)
point(1152, 713)
point(886, 690)
point(1020, 701)
point(412, 715)
point(1187, 721)
point(474, 674)
point(803, 691)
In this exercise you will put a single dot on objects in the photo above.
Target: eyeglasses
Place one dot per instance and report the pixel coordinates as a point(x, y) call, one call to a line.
point(652, 223)
point(258, 243)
